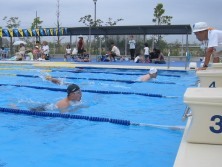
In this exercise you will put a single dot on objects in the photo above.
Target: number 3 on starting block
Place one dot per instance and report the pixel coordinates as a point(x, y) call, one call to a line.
point(218, 124)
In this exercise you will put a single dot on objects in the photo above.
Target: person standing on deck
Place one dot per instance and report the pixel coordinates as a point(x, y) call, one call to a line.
point(132, 47)
point(212, 37)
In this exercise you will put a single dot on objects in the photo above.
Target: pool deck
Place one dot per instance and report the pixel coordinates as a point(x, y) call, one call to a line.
point(197, 155)
point(173, 65)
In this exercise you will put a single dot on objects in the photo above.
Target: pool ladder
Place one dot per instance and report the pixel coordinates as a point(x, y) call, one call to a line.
point(187, 113)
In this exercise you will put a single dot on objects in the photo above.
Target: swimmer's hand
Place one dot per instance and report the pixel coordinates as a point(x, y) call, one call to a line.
point(13, 106)
point(201, 68)
point(73, 108)
point(79, 107)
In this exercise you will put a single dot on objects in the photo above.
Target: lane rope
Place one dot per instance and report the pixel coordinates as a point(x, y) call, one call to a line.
point(94, 91)
point(88, 118)
point(98, 79)
point(116, 73)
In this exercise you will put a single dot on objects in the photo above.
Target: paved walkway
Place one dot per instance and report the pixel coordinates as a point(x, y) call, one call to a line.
point(58, 62)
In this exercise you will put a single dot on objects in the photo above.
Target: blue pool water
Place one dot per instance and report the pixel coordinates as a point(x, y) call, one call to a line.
point(43, 141)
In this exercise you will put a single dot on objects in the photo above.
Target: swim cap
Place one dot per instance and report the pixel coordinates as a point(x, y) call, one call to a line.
point(153, 71)
point(72, 88)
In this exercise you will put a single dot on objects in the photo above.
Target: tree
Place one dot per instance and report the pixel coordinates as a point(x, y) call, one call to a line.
point(36, 24)
point(110, 22)
point(12, 22)
point(89, 22)
point(58, 25)
point(160, 19)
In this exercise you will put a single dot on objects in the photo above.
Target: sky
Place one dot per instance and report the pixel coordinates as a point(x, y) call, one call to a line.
point(134, 12)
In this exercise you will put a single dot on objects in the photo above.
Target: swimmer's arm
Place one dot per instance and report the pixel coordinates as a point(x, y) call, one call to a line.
point(79, 107)
point(13, 106)
point(144, 78)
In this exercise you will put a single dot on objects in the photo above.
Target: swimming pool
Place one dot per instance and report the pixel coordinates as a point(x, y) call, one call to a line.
point(46, 141)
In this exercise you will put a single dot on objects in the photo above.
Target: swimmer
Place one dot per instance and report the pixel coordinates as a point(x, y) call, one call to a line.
point(74, 95)
point(73, 98)
point(152, 74)
point(55, 81)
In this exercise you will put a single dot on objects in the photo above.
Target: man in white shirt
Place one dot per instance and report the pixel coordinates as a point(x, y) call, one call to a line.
point(45, 50)
point(132, 47)
point(213, 37)
point(114, 52)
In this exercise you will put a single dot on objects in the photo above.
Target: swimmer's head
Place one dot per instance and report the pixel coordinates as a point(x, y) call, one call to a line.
point(74, 93)
point(48, 77)
point(153, 71)
point(72, 88)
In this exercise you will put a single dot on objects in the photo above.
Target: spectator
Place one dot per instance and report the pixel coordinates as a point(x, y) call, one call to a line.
point(67, 52)
point(80, 45)
point(132, 47)
point(45, 51)
point(36, 52)
point(146, 53)
point(138, 59)
point(160, 59)
point(153, 55)
point(114, 52)
point(21, 53)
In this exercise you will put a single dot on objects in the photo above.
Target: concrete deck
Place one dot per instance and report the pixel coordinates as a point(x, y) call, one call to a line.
point(127, 65)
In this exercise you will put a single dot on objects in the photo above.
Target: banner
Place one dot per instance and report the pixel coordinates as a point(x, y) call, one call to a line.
point(25, 32)
point(21, 32)
point(5, 33)
point(10, 32)
point(15, 33)
point(45, 31)
point(55, 31)
point(51, 32)
point(37, 32)
point(32, 32)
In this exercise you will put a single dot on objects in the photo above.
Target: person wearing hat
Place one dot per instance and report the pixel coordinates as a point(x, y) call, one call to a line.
point(74, 94)
point(36, 52)
point(152, 74)
point(214, 38)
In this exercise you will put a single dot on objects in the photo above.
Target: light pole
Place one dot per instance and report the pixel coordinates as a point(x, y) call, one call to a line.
point(95, 12)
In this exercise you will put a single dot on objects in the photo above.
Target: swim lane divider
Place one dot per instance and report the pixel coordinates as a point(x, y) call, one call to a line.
point(98, 79)
point(116, 73)
point(93, 91)
point(83, 117)
point(70, 116)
